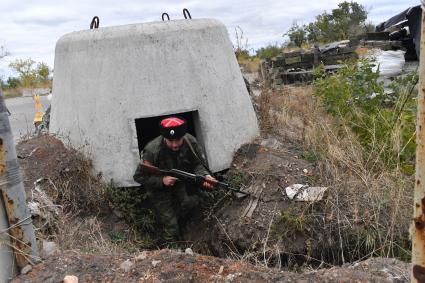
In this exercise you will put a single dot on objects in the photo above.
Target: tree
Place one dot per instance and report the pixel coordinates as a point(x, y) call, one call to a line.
point(348, 20)
point(297, 34)
point(25, 69)
point(43, 72)
point(13, 82)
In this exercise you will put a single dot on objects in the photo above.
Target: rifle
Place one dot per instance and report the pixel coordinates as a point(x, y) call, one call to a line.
point(197, 179)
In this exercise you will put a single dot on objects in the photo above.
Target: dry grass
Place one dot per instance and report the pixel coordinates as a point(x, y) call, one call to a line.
point(72, 199)
point(369, 207)
point(249, 65)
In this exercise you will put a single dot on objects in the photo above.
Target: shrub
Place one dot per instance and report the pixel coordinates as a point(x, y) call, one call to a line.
point(383, 122)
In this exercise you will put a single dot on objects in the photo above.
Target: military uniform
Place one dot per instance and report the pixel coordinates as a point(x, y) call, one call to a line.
point(172, 203)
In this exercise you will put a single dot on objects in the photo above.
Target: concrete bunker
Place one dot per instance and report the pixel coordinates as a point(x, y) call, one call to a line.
point(111, 84)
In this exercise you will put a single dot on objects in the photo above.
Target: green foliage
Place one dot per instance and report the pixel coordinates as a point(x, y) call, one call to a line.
point(311, 155)
point(3, 84)
point(384, 124)
point(25, 69)
point(29, 72)
point(12, 82)
point(42, 72)
point(292, 224)
point(268, 51)
point(118, 236)
point(133, 203)
point(297, 34)
point(237, 178)
point(343, 22)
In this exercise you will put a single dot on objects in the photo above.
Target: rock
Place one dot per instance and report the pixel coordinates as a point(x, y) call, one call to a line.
point(48, 249)
point(188, 251)
point(27, 268)
point(126, 265)
point(230, 278)
point(70, 279)
point(155, 262)
point(141, 256)
point(221, 270)
point(271, 143)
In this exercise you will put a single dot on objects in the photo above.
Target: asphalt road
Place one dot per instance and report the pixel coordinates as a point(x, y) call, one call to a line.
point(21, 119)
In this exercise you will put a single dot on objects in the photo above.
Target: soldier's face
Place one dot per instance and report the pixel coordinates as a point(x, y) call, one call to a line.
point(174, 145)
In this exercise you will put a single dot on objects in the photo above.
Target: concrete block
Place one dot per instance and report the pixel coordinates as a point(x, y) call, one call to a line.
point(106, 78)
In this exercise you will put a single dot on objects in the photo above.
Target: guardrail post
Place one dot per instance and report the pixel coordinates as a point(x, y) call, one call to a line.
point(418, 226)
point(20, 230)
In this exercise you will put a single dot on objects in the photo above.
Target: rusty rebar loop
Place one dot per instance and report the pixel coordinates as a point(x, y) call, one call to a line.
point(186, 14)
point(19, 223)
point(94, 22)
point(165, 14)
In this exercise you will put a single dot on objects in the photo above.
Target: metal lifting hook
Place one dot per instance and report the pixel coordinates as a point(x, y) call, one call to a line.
point(186, 14)
point(94, 22)
point(165, 14)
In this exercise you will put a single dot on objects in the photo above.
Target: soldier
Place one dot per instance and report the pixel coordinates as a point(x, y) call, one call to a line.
point(172, 198)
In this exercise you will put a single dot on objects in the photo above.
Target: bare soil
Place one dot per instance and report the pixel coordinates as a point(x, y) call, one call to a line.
point(176, 266)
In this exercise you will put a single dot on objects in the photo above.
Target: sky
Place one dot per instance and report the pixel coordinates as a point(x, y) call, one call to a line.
point(30, 29)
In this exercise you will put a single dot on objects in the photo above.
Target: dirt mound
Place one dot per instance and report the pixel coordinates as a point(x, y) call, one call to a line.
point(248, 226)
point(67, 198)
point(175, 266)
point(65, 173)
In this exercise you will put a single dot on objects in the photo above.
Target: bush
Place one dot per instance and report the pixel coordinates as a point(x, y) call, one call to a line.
point(268, 51)
point(384, 123)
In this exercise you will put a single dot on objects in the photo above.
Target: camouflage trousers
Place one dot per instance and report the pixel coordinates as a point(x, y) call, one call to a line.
point(172, 207)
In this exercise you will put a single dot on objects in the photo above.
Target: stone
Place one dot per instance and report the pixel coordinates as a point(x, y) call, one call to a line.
point(230, 278)
point(48, 249)
point(126, 265)
point(70, 279)
point(220, 271)
point(155, 262)
point(141, 256)
point(27, 268)
point(188, 251)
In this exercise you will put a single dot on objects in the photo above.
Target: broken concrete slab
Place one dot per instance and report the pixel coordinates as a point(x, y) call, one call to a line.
point(302, 192)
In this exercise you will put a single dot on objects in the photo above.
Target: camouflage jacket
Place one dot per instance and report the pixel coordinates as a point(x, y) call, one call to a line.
point(159, 155)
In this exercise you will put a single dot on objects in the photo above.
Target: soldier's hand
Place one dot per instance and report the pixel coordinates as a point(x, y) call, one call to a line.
point(169, 181)
point(209, 185)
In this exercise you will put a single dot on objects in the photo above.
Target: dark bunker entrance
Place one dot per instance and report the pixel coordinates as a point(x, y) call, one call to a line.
point(148, 128)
